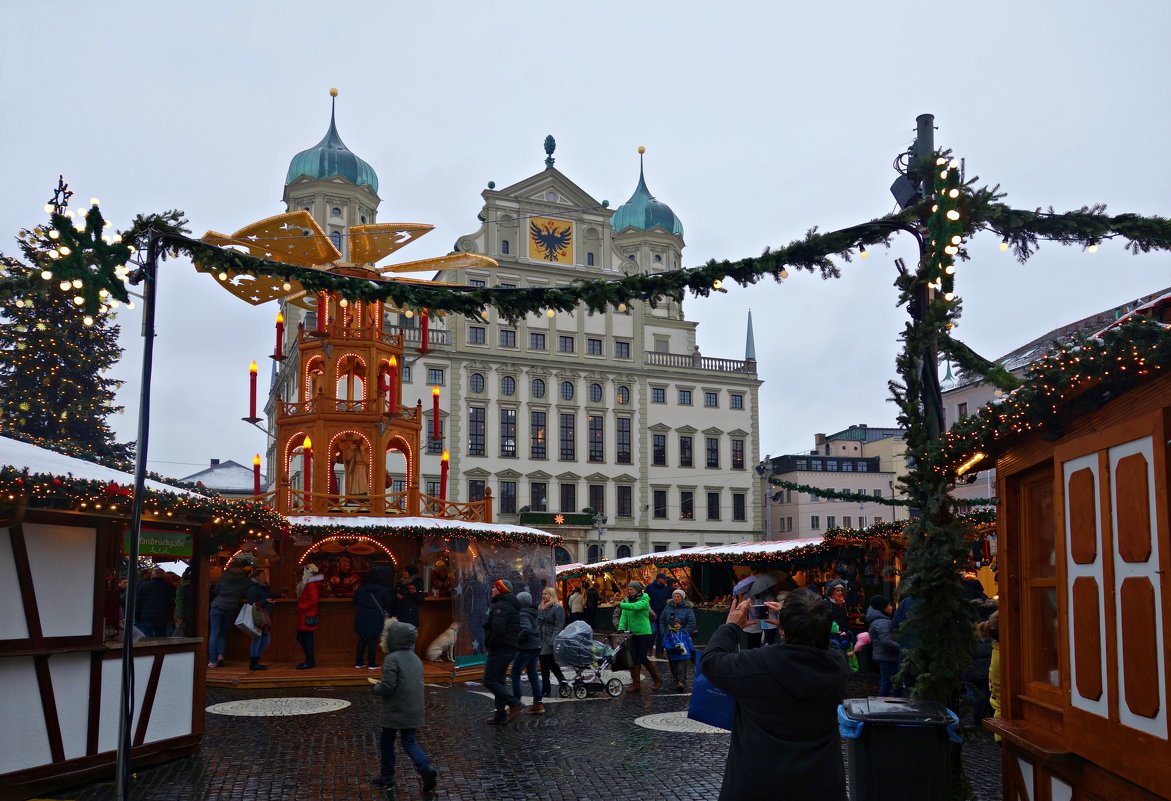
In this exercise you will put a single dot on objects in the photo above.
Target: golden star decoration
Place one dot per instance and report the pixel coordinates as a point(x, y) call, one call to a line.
point(559, 519)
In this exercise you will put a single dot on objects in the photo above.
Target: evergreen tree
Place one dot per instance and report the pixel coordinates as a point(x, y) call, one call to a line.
point(54, 359)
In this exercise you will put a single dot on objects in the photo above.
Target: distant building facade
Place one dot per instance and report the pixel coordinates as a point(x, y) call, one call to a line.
point(228, 478)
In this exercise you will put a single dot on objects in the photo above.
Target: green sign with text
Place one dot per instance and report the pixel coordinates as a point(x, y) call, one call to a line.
point(157, 542)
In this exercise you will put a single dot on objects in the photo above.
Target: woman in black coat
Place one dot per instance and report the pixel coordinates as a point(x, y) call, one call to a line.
point(785, 740)
point(371, 599)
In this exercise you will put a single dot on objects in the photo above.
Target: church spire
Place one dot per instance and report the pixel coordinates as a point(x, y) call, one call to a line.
point(750, 341)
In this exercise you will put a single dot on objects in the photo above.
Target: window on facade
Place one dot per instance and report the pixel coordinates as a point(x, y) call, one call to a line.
point(537, 388)
point(597, 441)
point(475, 489)
point(622, 396)
point(660, 504)
point(479, 283)
point(595, 554)
point(623, 552)
point(686, 505)
point(508, 386)
point(536, 341)
point(595, 393)
point(862, 521)
point(477, 423)
point(537, 435)
point(685, 397)
point(712, 451)
point(568, 451)
point(622, 437)
point(740, 507)
point(475, 383)
point(625, 501)
point(435, 376)
point(568, 499)
point(877, 519)
point(593, 347)
point(537, 496)
point(431, 488)
point(406, 373)
point(477, 335)
point(335, 212)
point(435, 445)
point(962, 410)
point(815, 465)
point(815, 522)
point(831, 521)
point(658, 395)
point(863, 467)
point(737, 454)
point(507, 338)
point(598, 498)
point(711, 400)
point(504, 285)
point(589, 259)
point(847, 467)
point(713, 506)
point(659, 449)
point(685, 459)
point(621, 349)
point(800, 464)
point(507, 499)
point(336, 238)
point(878, 493)
point(567, 390)
point(508, 432)
point(736, 401)
point(504, 246)
point(831, 465)
point(847, 522)
point(565, 344)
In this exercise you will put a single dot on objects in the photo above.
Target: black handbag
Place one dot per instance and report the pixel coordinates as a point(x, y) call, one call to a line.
point(623, 659)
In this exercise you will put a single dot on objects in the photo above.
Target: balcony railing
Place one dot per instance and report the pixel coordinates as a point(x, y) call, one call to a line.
point(697, 362)
point(323, 405)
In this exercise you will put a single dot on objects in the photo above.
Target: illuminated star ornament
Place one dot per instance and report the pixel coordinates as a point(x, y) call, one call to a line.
point(559, 519)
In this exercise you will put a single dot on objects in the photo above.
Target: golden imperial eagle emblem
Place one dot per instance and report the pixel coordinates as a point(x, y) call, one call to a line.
point(550, 240)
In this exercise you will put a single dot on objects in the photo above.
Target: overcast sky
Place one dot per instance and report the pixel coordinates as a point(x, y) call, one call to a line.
point(760, 122)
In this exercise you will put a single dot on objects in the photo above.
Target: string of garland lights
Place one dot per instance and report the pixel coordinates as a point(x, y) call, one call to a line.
point(424, 532)
point(861, 497)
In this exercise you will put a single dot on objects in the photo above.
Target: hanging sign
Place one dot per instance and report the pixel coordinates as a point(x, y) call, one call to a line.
point(160, 542)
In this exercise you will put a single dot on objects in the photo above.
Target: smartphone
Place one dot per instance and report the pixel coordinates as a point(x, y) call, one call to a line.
point(758, 612)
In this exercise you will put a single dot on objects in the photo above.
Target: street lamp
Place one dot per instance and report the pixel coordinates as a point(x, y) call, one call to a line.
point(764, 470)
point(599, 524)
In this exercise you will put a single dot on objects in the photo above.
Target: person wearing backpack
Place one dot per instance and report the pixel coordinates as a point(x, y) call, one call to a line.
point(528, 651)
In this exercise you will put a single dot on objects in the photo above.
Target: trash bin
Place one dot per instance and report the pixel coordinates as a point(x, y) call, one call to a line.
point(896, 749)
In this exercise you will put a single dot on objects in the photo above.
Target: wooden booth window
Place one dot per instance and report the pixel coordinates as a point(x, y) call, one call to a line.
point(1039, 631)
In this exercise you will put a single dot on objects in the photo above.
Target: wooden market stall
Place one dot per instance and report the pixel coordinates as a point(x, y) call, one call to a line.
point(1085, 612)
point(63, 533)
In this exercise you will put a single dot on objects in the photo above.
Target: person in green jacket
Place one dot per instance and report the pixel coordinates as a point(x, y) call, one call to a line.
point(636, 618)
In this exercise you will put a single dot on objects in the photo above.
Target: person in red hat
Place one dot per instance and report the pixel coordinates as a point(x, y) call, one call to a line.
point(501, 638)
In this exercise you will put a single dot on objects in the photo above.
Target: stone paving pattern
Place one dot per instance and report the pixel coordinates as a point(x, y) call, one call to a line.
point(580, 750)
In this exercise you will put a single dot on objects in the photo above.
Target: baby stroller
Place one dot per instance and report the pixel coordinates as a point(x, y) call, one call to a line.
point(576, 648)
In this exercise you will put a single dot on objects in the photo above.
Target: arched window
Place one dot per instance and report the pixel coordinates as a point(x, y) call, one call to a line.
point(562, 556)
point(658, 259)
point(477, 382)
point(623, 551)
point(595, 554)
point(362, 219)
point(623, 395)
point(335, 212)
point(589, 259)
point(336, 238)
point(567, 390)
point(508, 386)
point(504, 246)
point(537, 389)
point(595, 393)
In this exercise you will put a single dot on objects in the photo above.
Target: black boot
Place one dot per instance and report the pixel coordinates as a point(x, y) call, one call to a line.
point(254, 664)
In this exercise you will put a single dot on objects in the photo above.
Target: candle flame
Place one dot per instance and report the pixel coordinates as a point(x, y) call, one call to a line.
point(435, 392)
point(280, 319)
point(446, 456)
point(307, 444)
point(394, 361)
point(256, 460)
point(252, 368)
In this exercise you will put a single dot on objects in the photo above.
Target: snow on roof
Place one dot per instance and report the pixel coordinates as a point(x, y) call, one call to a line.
point(757, 550)
point(226, 476)
point(22, 455)
point(398, 521)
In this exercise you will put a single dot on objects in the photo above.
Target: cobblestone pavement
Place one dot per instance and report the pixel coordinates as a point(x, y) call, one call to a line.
point(580, 750)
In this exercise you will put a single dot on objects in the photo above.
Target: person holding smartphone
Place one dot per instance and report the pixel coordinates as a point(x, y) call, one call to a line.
point(785, 723)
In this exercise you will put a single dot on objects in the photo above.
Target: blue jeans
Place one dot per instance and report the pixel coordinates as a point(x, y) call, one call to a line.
point(259, 644)
point(153, 628)
point(412, 748)
point(886, 674)
point(526, 662)
point(495, 666)
point(219, 621)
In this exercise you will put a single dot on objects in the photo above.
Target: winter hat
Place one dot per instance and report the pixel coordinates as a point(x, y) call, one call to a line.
point(879, 602)
point(680, 593)
point(311, 568)
point(524, 598)
point(636, 584)
point(503, 585)
point(672, 580)
point(660, 576)
point(245, 559)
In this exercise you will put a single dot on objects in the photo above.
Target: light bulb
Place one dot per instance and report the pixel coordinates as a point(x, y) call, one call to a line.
point(79, 300)
point(949, 296)
point(69, 213)
point(1004, 245)
point(77, 283)
point(717, 284)
point(954, 164)
point(863, 253)
point(103, 292)
point(93, 201)
point(223, 276)
point(1092, 249)
point(53, 254)
point(941, 161)
point(550, 313)
point(408, 314)
point(65, 285)
point(286, 286)
point(621, 308)
point(65, 251)
point(954, 193)
point(130, 304)
point(343, 303)
point(784, 273)
point(87, 321)
point(48, 208)
point(114, 303)
point(953, 215)
point(950, 269)
point(47, 275)
point(955, 240)
point(951, 250)
point(117, 238)
point(943, 174)
point(54, 234)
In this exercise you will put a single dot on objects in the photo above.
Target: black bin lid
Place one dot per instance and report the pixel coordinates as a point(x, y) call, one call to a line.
point(900, 711)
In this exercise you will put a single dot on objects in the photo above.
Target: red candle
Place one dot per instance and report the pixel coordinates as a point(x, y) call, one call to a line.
point(443, 467)
point(307, 463)
point(435, 413)
point(280, 334)
point(321, 312)
point(391, 386)
point(425, 322)
point(256, 474)
point(252, 391)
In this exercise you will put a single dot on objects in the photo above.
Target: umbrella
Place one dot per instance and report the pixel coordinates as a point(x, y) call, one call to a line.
point(743, 584)
point(762, 583)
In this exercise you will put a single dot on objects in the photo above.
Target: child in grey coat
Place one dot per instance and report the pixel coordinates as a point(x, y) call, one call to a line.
point(401, 690)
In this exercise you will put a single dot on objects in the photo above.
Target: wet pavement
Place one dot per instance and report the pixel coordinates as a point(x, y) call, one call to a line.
point(325, 748)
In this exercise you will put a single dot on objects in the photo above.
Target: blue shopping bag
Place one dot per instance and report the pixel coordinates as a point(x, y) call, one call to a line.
point(708, 704)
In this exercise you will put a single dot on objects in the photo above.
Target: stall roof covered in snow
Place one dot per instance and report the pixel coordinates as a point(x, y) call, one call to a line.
point(439, 524)
point(735, 553)
point(25, 456)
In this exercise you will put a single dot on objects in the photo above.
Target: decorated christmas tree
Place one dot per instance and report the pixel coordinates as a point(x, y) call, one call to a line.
point(55, 354)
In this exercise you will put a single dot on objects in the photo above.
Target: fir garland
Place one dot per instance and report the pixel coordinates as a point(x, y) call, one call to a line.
point(862, 497)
